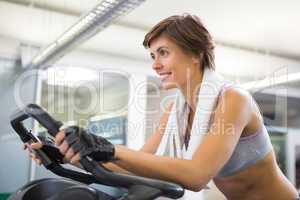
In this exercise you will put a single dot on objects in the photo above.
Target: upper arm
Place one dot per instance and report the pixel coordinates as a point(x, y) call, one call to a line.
point(231, 116)
point(152, 143)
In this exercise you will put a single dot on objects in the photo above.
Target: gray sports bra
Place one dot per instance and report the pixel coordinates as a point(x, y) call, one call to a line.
point(248, 151)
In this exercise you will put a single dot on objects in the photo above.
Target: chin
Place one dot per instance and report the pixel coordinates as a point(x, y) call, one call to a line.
point(168, 86)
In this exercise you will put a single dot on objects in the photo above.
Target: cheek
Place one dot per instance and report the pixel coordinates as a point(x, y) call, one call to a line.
point(180, 70)
point(180, 74)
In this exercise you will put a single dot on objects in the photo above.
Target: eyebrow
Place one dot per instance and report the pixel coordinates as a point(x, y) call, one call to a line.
point(159, 48)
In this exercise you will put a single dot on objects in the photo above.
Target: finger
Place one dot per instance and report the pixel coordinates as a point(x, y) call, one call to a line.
point(36, 145)
point(65, 161)
point(35, 159)
point(63, 148)
point(60, 137)
point(39, 162)
point(28, 147)
point(70, 153)
point(32, 156)
point(75, 158)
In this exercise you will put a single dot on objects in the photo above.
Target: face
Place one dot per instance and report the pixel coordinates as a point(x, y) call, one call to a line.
point(174, 66)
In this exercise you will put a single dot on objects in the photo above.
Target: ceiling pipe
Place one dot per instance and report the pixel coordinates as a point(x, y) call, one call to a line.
point(98, 18)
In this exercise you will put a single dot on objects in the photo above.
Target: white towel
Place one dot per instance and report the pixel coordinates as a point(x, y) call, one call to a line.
point(172, 143)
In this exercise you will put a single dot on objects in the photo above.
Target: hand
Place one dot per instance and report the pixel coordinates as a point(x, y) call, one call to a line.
point(74, 142)
point(31, 147)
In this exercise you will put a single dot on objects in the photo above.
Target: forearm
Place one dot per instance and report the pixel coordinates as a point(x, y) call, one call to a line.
point(181, 171)
point(115, 168)
point(109, 165)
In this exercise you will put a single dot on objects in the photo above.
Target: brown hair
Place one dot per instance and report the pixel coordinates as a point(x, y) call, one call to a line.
point(189, 33)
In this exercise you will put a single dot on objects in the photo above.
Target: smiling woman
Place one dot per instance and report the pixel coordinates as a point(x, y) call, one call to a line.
point(182, 50)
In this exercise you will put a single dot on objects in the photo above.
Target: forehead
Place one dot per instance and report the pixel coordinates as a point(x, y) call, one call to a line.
point(161, 41)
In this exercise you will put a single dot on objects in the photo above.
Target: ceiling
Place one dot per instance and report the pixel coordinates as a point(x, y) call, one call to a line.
point(255, 36)
point(259, 25)
point(266, 26)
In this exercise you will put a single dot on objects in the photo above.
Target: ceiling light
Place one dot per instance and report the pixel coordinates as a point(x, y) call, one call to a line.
point(102, 15)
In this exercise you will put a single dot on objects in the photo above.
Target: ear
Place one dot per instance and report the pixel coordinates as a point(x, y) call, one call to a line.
point(197, 58)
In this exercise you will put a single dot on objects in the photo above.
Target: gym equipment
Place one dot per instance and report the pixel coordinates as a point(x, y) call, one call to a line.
point(75, 185)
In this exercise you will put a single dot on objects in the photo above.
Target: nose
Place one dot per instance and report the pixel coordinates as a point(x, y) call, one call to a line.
point(156, 64)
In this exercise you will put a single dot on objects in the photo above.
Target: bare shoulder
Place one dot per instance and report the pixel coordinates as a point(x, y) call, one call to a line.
point(243, 102)
point(236, 96)
point(235, 91)
point(234, 106)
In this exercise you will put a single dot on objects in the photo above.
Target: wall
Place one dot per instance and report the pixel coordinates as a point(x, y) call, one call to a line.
point(14, 170)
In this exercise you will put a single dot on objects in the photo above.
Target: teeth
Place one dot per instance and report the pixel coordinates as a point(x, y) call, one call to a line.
point(167, 73)
point(164, 76)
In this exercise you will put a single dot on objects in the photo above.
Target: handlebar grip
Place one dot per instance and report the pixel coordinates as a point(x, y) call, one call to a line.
point(36, 112)
point(43, 118)
point(46, 161)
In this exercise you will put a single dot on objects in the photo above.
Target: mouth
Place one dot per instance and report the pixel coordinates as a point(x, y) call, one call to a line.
point(164, 75)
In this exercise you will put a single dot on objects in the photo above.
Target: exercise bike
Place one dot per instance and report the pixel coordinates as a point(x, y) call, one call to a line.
point(75, 185)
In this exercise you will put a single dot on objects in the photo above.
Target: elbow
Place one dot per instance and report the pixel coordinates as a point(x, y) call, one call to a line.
point(195, 188)
point(196, 180)
point(195, 185)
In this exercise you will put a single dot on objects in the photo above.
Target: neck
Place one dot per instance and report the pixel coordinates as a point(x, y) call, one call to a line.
point(191, 89)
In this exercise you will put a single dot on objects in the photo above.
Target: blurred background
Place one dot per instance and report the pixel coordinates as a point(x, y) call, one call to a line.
point(84, 62)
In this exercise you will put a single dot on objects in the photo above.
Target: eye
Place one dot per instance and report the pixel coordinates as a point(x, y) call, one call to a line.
point(163, 53)
point(152, 56)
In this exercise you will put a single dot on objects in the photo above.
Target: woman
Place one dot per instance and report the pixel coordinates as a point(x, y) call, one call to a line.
point(240, 159)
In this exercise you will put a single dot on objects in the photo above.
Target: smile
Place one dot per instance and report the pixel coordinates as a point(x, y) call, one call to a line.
point(163, 76)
